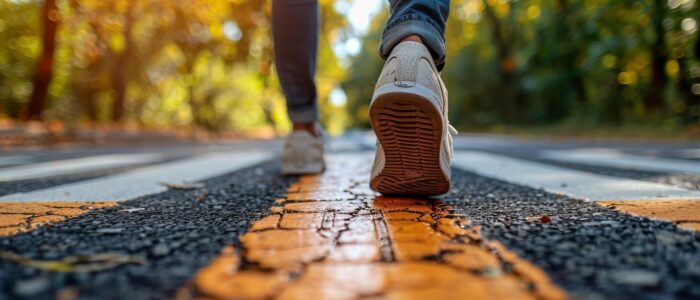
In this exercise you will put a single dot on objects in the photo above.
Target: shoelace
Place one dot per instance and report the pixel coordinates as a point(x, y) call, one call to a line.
point(451, 131)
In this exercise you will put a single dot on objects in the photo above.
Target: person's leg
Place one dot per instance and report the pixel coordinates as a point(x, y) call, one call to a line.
point(295, 26)
point(295, 40)
point(423, 18)
point(408, 111)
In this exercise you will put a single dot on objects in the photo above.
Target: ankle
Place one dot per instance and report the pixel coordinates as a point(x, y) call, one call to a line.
point(309, 127)
point(413, 38)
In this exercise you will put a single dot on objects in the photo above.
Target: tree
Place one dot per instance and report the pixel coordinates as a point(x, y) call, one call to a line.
point(44, 70)
point(654, 99)
point(504, 38)
point(121, 64)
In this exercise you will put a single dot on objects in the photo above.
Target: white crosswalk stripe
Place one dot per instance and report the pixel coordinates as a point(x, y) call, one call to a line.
point(689, 153)
point(611, 158)
point(72, 166)
point(14, 160)
point(145, 181)
point(576, 184)
point(148, 180)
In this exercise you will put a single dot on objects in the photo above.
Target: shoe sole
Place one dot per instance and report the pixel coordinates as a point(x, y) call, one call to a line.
point(409, 127)
point(303, 170)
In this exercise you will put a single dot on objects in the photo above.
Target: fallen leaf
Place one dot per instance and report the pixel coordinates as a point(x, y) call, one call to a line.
point(544, 219)
point(183, 186)
point(77, 263)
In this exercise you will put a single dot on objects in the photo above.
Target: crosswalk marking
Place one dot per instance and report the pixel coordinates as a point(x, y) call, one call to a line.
point(689, 153)
point(145, 181)
point(569, 182)
point(608, 158)
point(72, 166)
point(14, 160)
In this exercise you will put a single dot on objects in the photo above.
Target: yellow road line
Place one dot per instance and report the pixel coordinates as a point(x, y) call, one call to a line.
point(18, 217)
point(332, 238)
point(684, 213)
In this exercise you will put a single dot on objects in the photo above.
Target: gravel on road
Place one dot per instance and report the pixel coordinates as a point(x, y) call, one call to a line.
point(176, 232)
point(594, 252)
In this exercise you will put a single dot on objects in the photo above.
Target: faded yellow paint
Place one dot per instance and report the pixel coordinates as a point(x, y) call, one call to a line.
point(691, 225)
point(269, 222)
point(18, 217)
point(685, 213)
point(332, 239)
point(301, 220)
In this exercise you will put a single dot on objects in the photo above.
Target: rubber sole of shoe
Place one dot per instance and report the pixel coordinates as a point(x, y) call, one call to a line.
point(409, 128)
point(305, 169)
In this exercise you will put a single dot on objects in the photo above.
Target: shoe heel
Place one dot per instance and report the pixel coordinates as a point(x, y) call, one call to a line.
point(409, 127)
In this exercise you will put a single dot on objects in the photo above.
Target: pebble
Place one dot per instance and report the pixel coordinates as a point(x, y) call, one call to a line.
point(31, 287)
point(160, 250)
point(109, 230)
point(639, 278)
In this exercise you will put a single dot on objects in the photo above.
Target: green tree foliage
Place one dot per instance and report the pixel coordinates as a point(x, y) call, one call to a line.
point(206, 63)
point(18, 52)
point(209, 64)
point(583, 63)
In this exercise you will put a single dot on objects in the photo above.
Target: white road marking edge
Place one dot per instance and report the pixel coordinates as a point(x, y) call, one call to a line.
point(145, 181)
point(576, 184)
point(75, 165)
point(607, 158)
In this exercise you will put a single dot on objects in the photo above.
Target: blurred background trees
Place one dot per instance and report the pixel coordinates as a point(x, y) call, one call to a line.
point(571, 63)
point(201, 63)
point(208, 64)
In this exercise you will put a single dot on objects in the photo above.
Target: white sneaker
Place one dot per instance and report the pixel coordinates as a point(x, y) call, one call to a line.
point(409, 116)
point(303, 154)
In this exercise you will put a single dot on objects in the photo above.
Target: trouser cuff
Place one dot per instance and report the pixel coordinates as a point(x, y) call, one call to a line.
point(303, 115)
point(429, 34)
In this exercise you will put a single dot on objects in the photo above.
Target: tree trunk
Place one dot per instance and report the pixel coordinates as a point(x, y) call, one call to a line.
point(44, 70)
point(654, 101)
point(120, 69)
point(510, 94)
point(195, 107)
point(89, 105)
point(613, 107)
point(571, 54)
point(697, 44)
point(691, 115)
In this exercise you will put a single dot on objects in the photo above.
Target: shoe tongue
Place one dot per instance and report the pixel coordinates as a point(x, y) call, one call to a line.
point(414, 48)
point(411, 44)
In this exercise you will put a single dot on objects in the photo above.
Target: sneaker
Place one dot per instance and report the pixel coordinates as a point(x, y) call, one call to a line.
point(408, 113)
point(303, 154)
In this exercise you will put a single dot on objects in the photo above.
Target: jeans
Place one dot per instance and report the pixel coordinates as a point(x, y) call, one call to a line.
point(295, 26)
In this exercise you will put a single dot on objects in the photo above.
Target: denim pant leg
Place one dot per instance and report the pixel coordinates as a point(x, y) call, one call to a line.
point(425, 18)
point(295, 26)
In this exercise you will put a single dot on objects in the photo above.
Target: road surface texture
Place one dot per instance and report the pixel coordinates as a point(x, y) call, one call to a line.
point(524, 219)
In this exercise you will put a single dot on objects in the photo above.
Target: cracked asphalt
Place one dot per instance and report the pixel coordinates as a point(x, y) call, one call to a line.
point(177, 233)
point(160, 244)
point(595, 252)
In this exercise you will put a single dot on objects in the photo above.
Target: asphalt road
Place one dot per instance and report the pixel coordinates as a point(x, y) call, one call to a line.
point(592, 251)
